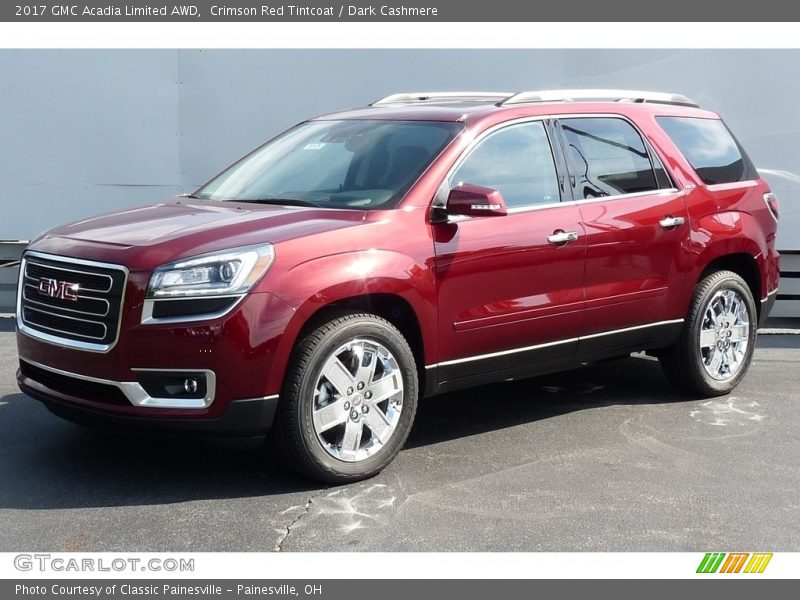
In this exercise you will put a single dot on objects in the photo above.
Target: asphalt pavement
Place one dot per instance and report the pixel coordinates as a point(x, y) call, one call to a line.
point(605, 458)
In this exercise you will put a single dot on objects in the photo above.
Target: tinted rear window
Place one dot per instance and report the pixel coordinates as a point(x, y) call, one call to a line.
point(710, 148)
point(608, 158)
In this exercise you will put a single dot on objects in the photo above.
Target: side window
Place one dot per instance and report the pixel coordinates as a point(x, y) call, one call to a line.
point(710, 148)
point(608, 157)
point(517, 161)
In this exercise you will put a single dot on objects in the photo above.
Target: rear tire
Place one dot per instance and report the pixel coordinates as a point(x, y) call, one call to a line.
point(349, 399)
point(716, 344)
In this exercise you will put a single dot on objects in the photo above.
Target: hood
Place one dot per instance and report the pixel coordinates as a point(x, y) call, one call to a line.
point(145, 237)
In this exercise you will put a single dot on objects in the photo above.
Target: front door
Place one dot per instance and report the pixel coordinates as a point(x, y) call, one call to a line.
point(510, 287)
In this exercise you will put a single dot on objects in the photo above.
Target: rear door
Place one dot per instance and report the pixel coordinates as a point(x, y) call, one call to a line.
point(637, 232)
point(510, 293)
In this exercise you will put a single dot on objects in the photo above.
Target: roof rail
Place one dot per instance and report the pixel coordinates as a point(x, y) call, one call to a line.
point(599, 95)
point(424, 97)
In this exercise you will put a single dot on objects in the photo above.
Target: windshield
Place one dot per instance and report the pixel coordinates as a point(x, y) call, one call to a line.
point(335, 164)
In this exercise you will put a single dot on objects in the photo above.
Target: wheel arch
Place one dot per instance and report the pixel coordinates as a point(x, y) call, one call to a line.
point(744, 265)
point(731, 240)
point(389, 284)
point(391, 307)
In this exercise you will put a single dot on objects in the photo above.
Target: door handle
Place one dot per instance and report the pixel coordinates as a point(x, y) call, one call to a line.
point(671, 222)
point(562, 237)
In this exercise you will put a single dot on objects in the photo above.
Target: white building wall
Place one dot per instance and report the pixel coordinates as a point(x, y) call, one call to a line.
point(87, 131)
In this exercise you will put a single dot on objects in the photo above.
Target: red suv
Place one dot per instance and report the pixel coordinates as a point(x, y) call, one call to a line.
point(322, 285)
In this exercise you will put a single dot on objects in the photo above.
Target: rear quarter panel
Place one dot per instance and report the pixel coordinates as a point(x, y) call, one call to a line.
point(739, 222)
point(724, 219)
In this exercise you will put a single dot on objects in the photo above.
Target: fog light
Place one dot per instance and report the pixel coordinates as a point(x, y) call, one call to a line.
point(166, 384)
point(190, 385)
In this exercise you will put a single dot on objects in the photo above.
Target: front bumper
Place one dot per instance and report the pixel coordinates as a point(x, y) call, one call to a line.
point(239, 360)
point(243, 417)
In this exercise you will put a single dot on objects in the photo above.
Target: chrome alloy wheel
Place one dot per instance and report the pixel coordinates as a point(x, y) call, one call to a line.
point(724, 334)
point(358, 398)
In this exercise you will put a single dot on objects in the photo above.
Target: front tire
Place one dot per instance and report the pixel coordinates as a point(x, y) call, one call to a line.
point(716, 345)
point(349, 399)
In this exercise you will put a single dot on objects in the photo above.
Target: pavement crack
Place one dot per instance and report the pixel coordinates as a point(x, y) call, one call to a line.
point(288, 530)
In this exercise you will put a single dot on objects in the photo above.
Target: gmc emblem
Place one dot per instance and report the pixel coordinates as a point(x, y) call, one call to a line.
point(62, 290)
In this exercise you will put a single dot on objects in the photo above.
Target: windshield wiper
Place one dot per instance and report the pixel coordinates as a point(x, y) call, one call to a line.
point(279, 201)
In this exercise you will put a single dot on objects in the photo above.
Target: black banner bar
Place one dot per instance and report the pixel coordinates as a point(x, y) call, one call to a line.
point(397, 589)
point(397, 11)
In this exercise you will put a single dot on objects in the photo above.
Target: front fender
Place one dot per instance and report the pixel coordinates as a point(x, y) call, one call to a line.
point(317, 283)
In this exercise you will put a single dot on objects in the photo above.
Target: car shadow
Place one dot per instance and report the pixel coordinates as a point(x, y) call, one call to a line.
point(47, 462)
point(627, 381)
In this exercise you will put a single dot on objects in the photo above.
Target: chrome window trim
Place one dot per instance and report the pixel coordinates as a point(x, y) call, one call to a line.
point(440, 198)
point(149, 304)
point(441, 202)
point(57, 340)
point(524, 209)
point(733, 185)
point(662, 192)
point(137, 395)
point(549, 344)
point(648, 146)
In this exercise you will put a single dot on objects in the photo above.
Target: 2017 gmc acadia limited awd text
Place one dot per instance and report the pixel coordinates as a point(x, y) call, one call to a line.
point(360, 261)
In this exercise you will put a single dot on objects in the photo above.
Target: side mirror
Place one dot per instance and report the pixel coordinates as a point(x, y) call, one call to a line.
point(475, 201)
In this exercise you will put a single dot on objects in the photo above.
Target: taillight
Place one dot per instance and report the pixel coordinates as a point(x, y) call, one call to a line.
point(772, 202)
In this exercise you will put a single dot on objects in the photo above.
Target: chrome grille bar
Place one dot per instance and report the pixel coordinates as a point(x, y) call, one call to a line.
point(71, 302)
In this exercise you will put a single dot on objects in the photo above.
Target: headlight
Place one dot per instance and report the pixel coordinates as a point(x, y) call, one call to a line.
point(232, 272)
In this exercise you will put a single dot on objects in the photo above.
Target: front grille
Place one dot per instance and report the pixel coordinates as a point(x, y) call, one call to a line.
point(73, 386)
point(78, 303)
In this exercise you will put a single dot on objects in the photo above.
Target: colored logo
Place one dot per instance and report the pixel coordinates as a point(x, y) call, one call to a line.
point(734, 562)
